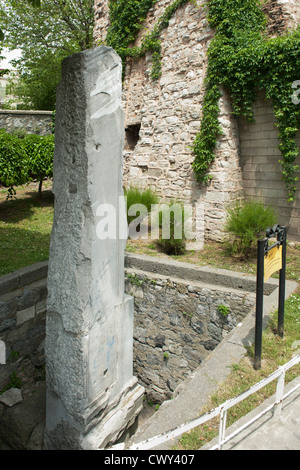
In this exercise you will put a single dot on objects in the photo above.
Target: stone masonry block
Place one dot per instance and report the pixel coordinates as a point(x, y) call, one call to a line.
point(25, 315)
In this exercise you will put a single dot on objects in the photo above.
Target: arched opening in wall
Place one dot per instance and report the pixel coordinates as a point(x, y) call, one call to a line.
point(132, 136)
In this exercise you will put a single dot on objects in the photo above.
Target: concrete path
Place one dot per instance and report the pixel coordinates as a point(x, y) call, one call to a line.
point(194, 392)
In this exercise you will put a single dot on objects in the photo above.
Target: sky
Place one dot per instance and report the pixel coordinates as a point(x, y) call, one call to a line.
point(9, 55)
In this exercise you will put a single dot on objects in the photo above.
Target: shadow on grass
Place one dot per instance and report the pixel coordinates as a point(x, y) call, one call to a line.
point(20, 248)
point(15, 210)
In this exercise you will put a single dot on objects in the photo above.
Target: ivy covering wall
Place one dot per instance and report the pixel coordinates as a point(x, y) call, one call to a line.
point(244, 60)
point(126, 19)
point(241, 58)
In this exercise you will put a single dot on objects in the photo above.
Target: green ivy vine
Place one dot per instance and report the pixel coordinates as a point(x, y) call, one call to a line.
point(126, 20)
point(243, 60)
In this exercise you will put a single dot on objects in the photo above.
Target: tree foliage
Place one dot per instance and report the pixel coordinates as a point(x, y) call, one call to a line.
point(45, 36)
point(35, 3)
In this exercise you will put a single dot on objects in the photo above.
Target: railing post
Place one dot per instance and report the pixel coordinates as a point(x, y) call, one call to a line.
point(279, 393)
point(282, 239)
point(222, 427)
point(259, 303)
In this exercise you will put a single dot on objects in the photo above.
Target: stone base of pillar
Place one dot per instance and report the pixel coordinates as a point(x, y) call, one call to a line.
point(103, 430)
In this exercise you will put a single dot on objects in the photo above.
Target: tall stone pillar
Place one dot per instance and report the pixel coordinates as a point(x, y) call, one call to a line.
point(92, 396)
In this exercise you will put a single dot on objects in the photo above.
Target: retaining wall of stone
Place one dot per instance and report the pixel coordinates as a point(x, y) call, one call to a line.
point(182, 312)
point(23, 297)
point(33, 122)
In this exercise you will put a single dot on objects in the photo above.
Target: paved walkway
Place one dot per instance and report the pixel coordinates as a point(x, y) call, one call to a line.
point(194, 392)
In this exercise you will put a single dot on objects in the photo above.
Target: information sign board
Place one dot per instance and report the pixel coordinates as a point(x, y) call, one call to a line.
point(273, 262)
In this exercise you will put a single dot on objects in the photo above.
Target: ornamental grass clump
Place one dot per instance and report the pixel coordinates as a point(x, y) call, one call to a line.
point(172, 238)
point(247, 221)
point(139, 204)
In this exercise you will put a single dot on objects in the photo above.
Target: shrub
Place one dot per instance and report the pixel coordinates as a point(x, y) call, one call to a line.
point(23, 157)
point(171, 223)
point(247, 221)
point(40, 152)
point(13, 164)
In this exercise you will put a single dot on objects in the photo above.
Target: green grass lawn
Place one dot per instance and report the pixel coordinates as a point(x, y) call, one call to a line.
point(25, 227)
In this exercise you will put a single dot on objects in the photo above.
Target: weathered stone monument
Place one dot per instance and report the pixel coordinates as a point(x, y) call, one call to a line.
point(92, 396)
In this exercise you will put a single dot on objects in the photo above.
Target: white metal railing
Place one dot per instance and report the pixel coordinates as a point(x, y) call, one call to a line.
point(221, 411)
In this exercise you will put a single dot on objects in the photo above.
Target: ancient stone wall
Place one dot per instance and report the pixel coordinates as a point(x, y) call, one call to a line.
point(22, 332)
point(101, 20)
point(291, 12)
point(276, 17)
point(282, 15)
point(32, 122)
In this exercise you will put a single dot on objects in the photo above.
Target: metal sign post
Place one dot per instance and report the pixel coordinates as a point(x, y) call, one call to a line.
point(282, 240)
point(269, 260)
point(259, 303)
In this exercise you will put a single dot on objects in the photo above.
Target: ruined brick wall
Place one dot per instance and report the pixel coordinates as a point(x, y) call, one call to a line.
point(282, 15)
point(162, 118)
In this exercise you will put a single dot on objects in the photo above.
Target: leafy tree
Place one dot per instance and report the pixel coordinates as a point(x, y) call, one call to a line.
point(13, 164)
point(35, 3)
point(38, 81)
point(24, 157)
point(45, 36)
point(39, 151)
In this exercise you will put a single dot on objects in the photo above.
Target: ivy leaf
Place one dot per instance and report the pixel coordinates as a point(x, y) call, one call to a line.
point(35, 3)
